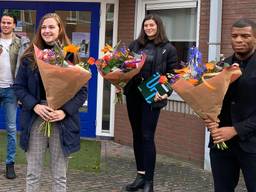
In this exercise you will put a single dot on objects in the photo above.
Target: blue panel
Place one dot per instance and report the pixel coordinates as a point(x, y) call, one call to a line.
point(88, 119)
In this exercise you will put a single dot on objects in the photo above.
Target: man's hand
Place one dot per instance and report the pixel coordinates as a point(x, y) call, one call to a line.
point(211, 124)
point(223, 134)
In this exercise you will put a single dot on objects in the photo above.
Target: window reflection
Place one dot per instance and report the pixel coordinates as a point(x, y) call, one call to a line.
point(78, 28)
point(26, 20)
point(180, 25)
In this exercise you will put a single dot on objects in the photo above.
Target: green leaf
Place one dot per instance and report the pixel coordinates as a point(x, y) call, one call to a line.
point(106, 69)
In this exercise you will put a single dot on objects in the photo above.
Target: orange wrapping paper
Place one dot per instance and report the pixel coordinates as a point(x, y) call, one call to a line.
point(60, 83)
point(204, 101)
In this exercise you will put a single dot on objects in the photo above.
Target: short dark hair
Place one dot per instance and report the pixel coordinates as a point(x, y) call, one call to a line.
point(160, 34)
point(244, 22)
point(10, 14)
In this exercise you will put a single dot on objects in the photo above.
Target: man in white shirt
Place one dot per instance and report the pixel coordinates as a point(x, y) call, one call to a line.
point(10, 46)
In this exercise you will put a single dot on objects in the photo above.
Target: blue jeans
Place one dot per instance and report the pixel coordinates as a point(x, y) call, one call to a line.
point(9, 103)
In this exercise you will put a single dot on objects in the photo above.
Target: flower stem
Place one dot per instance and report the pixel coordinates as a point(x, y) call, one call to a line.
point(222, 146)
point(46, 126)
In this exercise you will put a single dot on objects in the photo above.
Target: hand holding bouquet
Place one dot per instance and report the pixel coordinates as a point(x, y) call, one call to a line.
point(203, 86)
point(119, 65)
point(61, 79)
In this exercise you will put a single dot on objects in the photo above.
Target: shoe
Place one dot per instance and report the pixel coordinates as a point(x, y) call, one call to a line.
point(148, 187)
point(10, 172)
point(138, 183)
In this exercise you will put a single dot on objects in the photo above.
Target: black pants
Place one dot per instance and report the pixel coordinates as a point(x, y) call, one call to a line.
point(226, 166)
point(143, 121)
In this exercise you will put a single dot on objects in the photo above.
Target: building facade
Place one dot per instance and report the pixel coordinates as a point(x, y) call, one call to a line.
point(180, 133)
point(92, 23)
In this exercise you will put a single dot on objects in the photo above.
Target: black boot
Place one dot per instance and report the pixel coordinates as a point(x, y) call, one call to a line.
point(148, 187)
point(10, 172)
point(138, 183)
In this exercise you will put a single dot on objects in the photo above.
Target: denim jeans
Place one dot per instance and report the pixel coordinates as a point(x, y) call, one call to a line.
point(8, 102)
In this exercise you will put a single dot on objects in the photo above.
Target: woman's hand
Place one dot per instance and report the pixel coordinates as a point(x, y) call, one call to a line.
point(143, 58)
point(57, 115)
point(159, 97)
point(43, 111)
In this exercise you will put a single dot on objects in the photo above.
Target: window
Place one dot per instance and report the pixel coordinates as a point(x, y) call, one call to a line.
point(180, 25)
point(80, 34)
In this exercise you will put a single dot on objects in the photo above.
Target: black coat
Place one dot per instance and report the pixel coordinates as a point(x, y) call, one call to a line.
point(27, 90)
point(165, 57)
point(164, 61)
point(239, 106)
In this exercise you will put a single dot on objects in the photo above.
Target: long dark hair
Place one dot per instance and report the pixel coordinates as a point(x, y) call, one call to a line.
point(160, 34)
point(39, 42)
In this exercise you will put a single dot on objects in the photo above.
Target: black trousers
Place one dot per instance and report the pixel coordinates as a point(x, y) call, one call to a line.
point(226, 166)
point(143, 119)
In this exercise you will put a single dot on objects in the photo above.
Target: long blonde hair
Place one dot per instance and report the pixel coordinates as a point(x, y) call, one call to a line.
point(39, 42)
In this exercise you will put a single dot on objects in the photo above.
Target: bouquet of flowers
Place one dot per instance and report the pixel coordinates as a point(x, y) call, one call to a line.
point(61, 79)
point(119, 65)
point(203, 86)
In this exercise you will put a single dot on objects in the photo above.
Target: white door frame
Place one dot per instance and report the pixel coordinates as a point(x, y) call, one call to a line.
point(99, 131)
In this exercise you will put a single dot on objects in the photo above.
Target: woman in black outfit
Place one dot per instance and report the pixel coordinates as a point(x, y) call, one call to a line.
point(162, 58)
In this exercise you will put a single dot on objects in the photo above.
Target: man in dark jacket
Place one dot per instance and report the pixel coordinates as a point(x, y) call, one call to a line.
point(237, 126)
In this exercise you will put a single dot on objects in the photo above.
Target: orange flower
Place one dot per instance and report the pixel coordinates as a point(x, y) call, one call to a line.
point(210, 66)
point(182, 71)
point(193, 81)
point(71, 48)
point(163, 79)
point(107, 48)
point(101, 63)
point(91, 61)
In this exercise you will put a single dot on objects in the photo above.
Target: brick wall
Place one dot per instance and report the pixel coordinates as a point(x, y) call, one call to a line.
point(178, 135)
point(126, 21)
point(245, 8)
point(233, 10)
point(204, 28)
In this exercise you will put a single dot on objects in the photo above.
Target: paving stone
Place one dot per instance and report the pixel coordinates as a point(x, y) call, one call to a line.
point(118, 169)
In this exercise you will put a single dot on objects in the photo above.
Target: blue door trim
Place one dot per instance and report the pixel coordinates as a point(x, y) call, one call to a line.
point(88, 119)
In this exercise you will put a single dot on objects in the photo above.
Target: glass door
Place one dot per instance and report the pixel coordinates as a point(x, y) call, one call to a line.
point(82, 25)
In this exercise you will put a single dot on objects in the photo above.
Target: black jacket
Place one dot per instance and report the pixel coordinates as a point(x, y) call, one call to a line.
point(164, 61)
point(165, 57)
point(239, 105)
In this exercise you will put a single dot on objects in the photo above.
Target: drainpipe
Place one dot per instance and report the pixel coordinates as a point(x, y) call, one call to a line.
point(213, 54)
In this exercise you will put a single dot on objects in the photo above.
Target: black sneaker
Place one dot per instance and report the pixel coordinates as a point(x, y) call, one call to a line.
point(10, 172)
